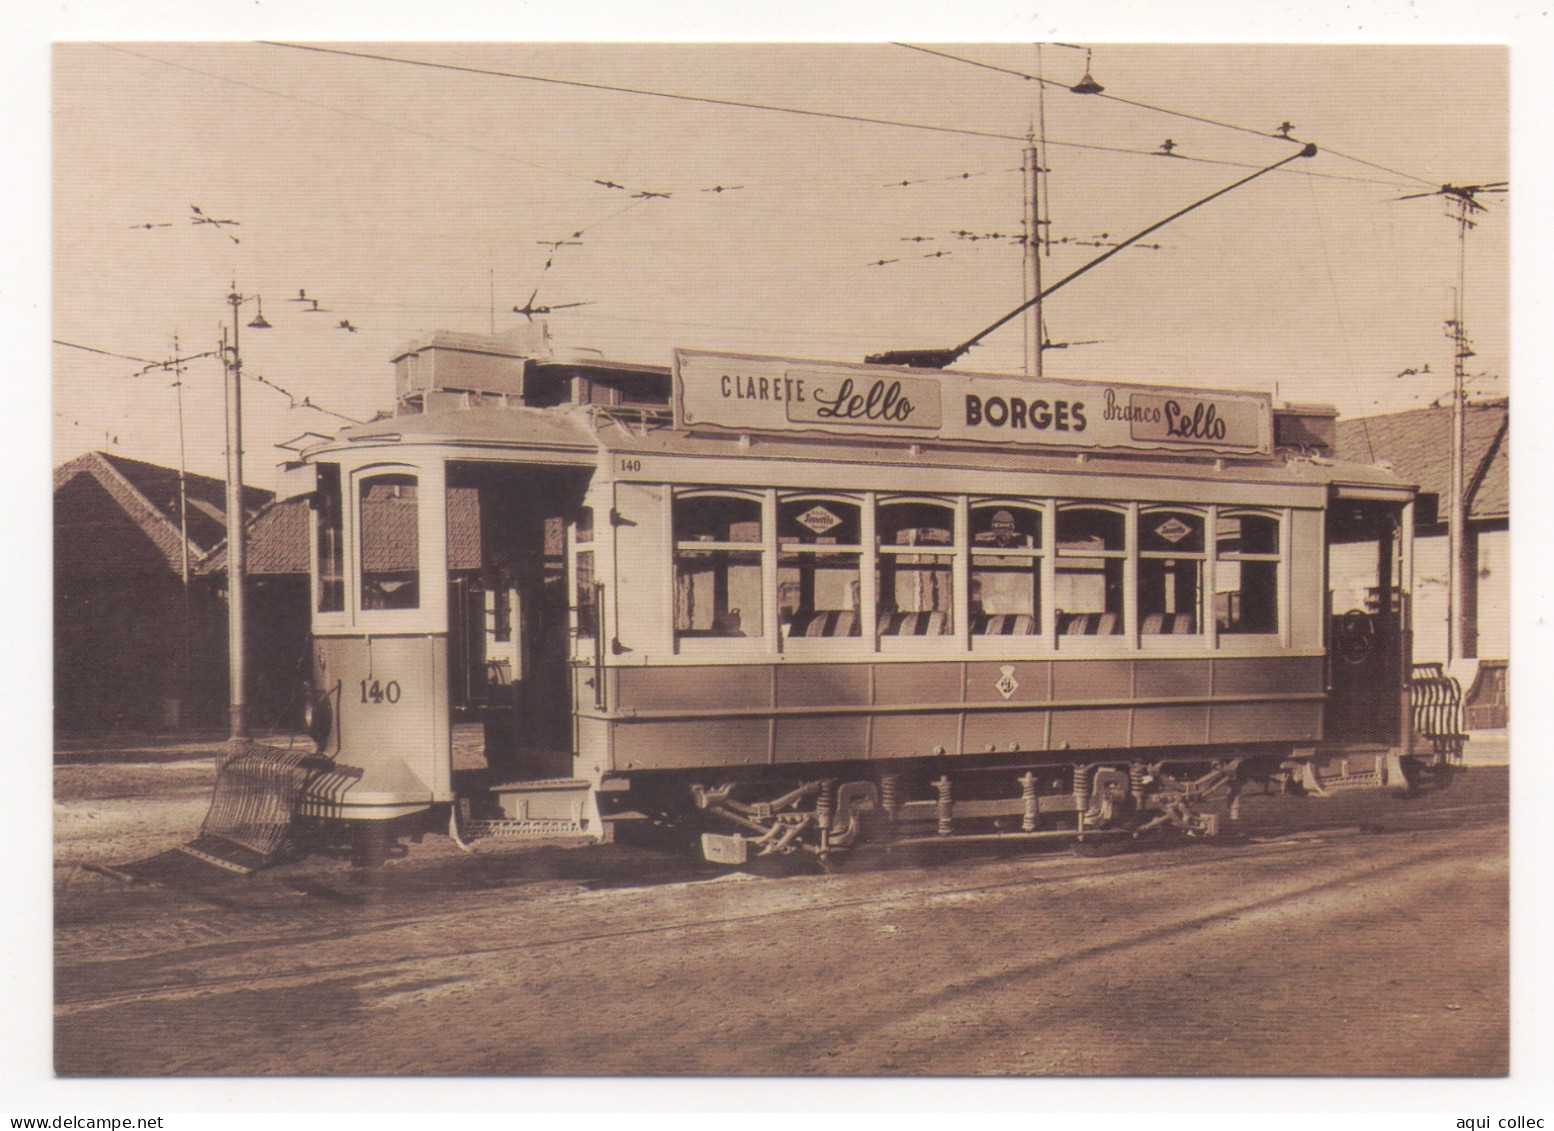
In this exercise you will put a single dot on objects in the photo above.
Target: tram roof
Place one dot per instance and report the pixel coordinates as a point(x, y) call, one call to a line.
point(558, 430)
point(581, 434)
point(622, 438)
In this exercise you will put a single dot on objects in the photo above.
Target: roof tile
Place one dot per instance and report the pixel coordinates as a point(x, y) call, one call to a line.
point(1418, 445)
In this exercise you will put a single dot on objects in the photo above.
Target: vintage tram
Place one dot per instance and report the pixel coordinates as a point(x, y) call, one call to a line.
point(798, 606)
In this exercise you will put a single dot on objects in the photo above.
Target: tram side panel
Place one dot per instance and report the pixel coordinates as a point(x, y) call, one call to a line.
point(680, 717)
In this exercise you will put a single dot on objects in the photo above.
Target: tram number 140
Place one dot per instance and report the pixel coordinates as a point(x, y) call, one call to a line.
point(374, 691)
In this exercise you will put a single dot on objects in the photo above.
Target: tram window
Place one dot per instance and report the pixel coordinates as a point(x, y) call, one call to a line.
point(330, 516)
point(819, 567)
point(1091, 553)
point(1170, 574)
point(1005, 570)
point(585, 604)
point(718, 566)
point(502, 609)
point(390, 539)
point(916, 588)
point(1246, 574)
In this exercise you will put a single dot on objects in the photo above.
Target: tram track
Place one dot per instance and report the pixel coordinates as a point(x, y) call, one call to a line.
point(75, 982)
point(322, 922)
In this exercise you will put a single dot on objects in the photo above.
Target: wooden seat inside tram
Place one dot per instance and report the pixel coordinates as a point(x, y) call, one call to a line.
point(1089, 624)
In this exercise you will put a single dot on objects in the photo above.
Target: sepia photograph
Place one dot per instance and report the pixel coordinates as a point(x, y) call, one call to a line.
point(909, 559)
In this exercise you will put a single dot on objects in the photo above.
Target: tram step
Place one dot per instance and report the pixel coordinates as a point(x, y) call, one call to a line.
point(475, 830)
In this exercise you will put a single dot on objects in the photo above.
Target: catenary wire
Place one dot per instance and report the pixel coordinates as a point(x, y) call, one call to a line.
point(704, 99)
point(106, 353)
point(1156, 109)
point(349, 113)
point(785, 109)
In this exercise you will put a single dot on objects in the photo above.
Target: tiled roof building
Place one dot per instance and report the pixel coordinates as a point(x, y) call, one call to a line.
point(130, 638)
point(1418, 446)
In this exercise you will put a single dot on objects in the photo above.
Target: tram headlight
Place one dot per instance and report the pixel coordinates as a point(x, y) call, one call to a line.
point(318, 717)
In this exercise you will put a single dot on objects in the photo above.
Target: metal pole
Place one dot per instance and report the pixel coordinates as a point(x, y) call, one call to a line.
point(237, 549)
point(1033, 335)
point(1456, 534)
point(182, 676)
point(1456, 646)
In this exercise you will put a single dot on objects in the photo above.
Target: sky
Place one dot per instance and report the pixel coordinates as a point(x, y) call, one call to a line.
point(409, 198)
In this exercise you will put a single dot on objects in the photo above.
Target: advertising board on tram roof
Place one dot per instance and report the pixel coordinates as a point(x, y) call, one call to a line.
point(771, 394)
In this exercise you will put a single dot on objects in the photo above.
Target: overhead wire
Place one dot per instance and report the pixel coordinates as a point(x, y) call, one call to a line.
point(703, 99)
point(304, 402)
point(300, 402)
point(723, 102)
point(1157, 109)
point(105, 353)
point(787, 109)
point(1332, 281)
point(423, 134)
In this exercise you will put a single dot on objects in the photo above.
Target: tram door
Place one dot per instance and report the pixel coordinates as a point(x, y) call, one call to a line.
point(1368, 637)
point(508, 634)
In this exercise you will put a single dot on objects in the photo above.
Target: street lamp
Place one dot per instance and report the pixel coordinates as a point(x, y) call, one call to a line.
point(237, 541)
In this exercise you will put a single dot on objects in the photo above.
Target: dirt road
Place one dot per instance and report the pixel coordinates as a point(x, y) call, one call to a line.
point(1363, 935)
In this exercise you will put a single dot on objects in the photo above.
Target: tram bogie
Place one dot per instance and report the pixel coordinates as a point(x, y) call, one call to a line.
point(715, 598)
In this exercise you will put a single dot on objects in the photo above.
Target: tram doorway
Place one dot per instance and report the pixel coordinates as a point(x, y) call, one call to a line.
point(1368, 629)
point(508, 618)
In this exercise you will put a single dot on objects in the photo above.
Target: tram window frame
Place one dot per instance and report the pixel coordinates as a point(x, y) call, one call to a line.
point(1020, 551)
point(1157, 625)
point(1130, 542)
point(1114, 568)
point(818, 627)
point(584, 606)
point(896, 561)
point(1273, 578)
point(719, 559)
point(329, 550)
point(408, 593)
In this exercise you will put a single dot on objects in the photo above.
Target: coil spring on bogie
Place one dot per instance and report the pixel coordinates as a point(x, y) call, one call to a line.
point(1028, 798)
point(1082, 790)
point(825, 805)
point(946, 806)
point(1136, 775)
point(890, 795)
